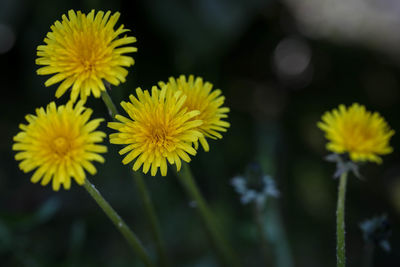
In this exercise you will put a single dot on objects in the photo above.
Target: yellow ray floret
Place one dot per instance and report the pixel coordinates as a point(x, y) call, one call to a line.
point(200, 96)
point(354, 130)
point(159, 129)
point(82, 50)
point(60, 143)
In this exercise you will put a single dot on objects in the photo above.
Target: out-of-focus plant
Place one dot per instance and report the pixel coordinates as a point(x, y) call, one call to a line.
point(254, 187)
point(376, 232)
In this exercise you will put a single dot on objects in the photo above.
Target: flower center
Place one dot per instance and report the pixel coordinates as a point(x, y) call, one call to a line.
point(88, 65)
point(359, 133)
point(90, 52)
point(160, 139)
point(159, 136)
point(60, 146)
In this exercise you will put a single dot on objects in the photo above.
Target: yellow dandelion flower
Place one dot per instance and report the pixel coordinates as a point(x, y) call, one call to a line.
point(82, 50)
point(159, 129)
point(60, 143)
point(354, 130)
point(200, 96)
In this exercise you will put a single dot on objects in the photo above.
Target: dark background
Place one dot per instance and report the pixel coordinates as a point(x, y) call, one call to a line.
point(278, 77)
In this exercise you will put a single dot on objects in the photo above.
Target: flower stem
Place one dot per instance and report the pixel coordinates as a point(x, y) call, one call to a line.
point(119, 223)
point(340, 225)
point(152, 217)
point(112, 109)
point(186, 179)
point(258, 214)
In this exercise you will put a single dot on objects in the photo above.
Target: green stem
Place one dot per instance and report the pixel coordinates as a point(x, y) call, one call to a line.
point(258, 214)
point(340, 225)
point(186, 179)
point(119, 224)
point(112, 109)
point(268, 138)
point(152, 217)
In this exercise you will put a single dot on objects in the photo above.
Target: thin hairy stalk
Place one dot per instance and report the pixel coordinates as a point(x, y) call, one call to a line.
point(112, 109)
point(126, 232)
point(340, 225)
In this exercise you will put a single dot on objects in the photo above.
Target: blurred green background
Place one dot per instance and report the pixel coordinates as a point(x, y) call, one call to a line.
point(280, 64)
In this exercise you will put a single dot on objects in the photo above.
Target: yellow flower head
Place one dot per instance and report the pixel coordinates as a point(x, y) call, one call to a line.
point(59, 142)
point(82, 50)
point(160, 128)
point(200, 96)
point(354, 130)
